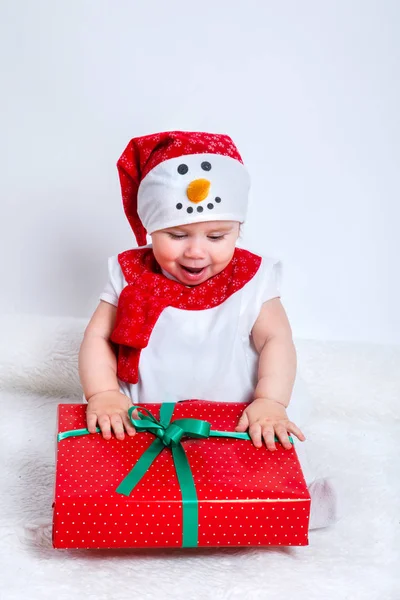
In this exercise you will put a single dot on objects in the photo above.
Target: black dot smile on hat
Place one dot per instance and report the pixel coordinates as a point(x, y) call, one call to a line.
point(210, 205)
point(199, 209)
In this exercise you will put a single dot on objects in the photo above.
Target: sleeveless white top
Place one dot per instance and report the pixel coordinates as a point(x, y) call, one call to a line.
point(202, 354)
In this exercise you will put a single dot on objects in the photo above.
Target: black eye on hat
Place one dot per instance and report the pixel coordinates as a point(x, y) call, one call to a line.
point(183, 169)
point(206, 166)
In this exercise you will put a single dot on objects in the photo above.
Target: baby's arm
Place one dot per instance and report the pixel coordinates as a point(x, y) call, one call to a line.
point(272, 338)
point(266, 416)
point(107, 406)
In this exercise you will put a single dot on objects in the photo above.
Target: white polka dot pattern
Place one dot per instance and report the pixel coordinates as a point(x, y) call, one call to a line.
point(247, 496)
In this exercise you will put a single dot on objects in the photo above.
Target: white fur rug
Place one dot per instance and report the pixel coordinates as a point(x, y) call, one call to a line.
point(356, 428)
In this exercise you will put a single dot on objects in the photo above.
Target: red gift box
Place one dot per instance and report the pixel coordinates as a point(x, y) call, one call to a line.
point(246, 496)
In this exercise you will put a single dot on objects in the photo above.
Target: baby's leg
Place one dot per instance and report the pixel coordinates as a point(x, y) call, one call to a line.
point(323, 497)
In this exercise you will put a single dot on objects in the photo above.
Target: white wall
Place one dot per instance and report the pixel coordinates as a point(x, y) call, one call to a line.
point(309, 91)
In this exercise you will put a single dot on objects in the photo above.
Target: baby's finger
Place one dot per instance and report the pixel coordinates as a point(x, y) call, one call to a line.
point(297, 432)
point(118, 427)
point(243, 422)
point(282, 435)
point(104, 424)
point(135, 414)
point(269, 437)
point(255, 434)
point(130, 430)
point(91, 421)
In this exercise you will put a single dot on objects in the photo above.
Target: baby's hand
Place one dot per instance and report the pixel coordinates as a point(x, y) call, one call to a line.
point(267, 418)
point(109, 410)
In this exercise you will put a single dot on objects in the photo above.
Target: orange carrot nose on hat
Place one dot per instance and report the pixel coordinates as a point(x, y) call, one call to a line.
point(178, 177)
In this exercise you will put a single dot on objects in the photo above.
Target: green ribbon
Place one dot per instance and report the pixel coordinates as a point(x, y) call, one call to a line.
point(169, 435)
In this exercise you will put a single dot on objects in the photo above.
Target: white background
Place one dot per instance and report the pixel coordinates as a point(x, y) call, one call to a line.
point(309, 91)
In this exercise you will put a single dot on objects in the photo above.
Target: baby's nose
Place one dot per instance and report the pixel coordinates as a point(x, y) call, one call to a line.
point(194, 250)
point(197, 190)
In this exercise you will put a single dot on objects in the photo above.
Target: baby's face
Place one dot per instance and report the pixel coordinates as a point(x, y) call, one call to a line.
point(194, 253)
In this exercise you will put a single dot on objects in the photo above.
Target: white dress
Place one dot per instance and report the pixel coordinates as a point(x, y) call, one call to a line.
point(209, 355)
point(206, 354)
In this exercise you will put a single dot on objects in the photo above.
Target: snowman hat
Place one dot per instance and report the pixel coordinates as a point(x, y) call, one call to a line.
point(178, 177)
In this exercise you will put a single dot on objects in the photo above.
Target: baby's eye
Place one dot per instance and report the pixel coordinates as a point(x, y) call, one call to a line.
point(215, 238)
point(175, 236)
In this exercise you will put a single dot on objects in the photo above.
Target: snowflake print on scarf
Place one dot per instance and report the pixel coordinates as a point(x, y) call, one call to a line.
point(148, 292)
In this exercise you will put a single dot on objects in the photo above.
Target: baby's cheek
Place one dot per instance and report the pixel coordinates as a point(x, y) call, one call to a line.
point(220, 260)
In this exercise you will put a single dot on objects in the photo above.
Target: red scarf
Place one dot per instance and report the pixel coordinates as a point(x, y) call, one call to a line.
point(148, 292)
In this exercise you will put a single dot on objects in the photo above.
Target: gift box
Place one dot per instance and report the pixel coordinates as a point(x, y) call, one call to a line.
point(181, 481)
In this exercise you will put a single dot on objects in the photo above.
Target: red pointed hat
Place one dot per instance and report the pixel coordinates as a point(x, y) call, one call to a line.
point(178, 177)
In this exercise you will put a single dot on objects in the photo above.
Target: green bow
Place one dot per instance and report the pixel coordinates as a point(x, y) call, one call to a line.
point(169, 435)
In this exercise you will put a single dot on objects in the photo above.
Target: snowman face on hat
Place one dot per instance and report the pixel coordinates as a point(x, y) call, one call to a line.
point(193, 188)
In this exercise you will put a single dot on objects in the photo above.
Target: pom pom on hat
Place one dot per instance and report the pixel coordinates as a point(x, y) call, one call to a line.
point(177, 177)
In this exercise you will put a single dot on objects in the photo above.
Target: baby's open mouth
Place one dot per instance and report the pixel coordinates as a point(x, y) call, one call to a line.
point(192, 269)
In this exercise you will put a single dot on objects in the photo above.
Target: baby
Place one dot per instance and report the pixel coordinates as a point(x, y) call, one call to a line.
point(191, 315)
